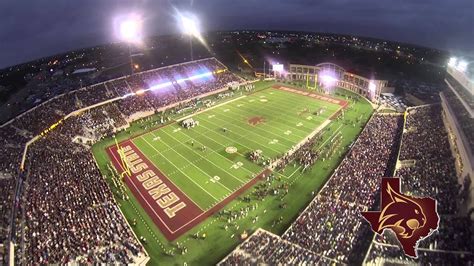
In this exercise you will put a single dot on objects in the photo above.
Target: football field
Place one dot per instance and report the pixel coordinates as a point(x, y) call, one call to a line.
point(181, 176)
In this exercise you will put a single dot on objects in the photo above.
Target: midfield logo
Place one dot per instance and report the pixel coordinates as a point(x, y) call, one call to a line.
point(410, 218)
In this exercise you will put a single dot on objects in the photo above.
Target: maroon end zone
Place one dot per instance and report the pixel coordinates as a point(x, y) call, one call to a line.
point(318, 96)
point(314, 95)
point(170, 209)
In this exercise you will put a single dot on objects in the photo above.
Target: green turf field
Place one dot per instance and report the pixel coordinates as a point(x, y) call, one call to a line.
point(208, 175)
point(219, 241)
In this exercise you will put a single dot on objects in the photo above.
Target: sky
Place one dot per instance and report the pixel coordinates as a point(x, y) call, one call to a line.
point(34, 29)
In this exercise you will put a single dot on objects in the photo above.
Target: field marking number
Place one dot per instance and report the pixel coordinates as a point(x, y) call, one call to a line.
point(237, 165)
point(215, 179)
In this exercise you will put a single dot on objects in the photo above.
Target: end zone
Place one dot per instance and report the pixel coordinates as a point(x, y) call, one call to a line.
point(172, 211)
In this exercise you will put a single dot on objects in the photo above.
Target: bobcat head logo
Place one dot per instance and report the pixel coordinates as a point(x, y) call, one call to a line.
point(412, 219)
point(402, 214)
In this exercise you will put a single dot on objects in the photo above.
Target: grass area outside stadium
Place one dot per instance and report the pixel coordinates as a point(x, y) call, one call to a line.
point(219, 241)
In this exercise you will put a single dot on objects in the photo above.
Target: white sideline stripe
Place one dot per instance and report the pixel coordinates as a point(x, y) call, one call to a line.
point(190, 163)
point(294, 172)
point(192, 180)
point(210, 108)
point(206, 158)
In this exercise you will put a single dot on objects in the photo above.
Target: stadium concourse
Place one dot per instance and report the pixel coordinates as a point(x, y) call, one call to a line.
point(65, 209)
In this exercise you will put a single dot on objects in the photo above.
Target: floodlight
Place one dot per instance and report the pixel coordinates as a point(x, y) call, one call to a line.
point(277, 67)
point(372, 87)
point(328, 80)
point(190, 26)
point(130, 29)
point(452, 61)
point(462, 66)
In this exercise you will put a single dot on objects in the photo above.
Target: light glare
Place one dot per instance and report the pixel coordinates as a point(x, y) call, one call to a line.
point(328, 80)
point(452, 61)
point(462, 66)
point(130, 29)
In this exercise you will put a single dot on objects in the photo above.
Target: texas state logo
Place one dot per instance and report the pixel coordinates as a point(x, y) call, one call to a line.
point(412, 219)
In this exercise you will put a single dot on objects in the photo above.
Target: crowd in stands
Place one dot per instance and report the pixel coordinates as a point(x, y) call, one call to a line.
point(331, 225)
point(101, 121)
point(70, 214)
point(263, 247)
point(430, 171)
point(462, 115)
point(305, 155)
point(12, 141)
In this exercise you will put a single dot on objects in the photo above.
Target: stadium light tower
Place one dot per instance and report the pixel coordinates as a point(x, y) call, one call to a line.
point(130, 31)
point(189, 25)
point(452, 61)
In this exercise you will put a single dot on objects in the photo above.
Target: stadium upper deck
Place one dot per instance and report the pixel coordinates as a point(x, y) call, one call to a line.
point(458, 106)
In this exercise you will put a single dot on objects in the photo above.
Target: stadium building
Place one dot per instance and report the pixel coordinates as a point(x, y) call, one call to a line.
point(366, 87)
point(458, 106)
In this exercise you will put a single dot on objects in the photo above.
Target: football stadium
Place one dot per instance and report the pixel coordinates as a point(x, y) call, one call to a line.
point(205, 162)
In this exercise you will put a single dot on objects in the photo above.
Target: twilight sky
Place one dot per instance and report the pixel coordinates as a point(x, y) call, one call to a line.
point(33, 29)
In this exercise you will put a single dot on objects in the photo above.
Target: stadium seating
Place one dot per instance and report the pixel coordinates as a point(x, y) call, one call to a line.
point(69, 211)
point(330, 226)
point(432, 173)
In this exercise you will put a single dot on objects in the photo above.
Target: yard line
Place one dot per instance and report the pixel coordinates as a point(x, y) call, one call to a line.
point(330, 137)
point(192, 180)
point(274, 107)
point(204, 135)
point(241, 181)
point(262, 129)
point(233, 140)
point(279, 128)
point(294, 172)
point(267, 138)
point(193, 164)
point(221, 145)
